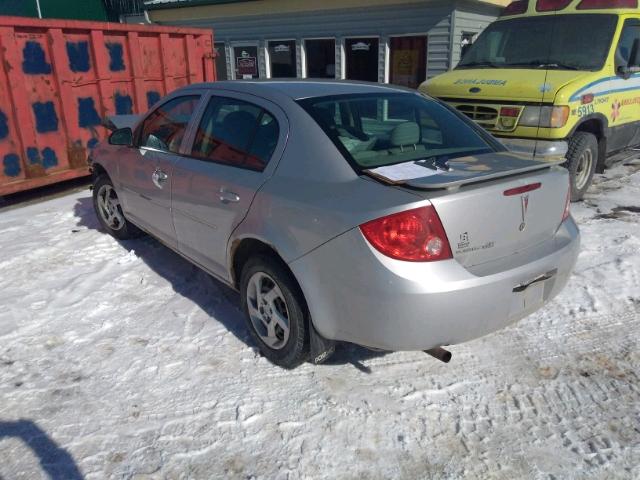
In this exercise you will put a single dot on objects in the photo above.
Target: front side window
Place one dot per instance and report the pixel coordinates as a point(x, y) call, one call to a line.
point(562, 42)
point(237, 133)
point(629, 40)
point(374, 130)
point(164, 129)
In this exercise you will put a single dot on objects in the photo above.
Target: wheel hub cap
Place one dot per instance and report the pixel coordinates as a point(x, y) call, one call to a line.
point(109, 207)
point(268, 310)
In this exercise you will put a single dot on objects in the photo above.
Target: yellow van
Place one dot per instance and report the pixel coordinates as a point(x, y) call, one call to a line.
point(555, 78)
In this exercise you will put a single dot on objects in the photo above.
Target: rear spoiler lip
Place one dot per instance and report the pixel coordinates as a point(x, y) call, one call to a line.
point(434, 183)
point(488, 167)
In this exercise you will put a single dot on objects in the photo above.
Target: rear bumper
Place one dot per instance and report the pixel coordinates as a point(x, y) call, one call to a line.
point(539, 149)
point(355, 294)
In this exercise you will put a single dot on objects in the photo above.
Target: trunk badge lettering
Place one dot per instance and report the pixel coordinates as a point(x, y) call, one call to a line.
point(524, 202)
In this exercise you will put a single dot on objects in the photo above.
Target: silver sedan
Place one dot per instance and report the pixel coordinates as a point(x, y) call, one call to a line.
point(342, 212)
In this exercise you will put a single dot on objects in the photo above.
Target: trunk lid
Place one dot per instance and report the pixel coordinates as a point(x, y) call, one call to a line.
point(493, 218)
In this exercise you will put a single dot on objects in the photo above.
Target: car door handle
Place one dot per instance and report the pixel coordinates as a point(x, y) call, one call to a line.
point(159, 178)
point(228, 197)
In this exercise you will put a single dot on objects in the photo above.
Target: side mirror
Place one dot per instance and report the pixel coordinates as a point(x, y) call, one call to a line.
point(122, 136)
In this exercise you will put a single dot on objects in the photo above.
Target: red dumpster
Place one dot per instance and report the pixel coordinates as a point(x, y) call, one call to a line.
point(59, 79)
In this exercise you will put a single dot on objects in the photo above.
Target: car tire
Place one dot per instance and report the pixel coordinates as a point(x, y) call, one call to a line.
point(109, 211)
point(582, 158)
point(270, 298)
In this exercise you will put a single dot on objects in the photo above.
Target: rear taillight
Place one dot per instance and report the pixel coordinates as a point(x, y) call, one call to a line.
point(567, 206)
point(413, 236)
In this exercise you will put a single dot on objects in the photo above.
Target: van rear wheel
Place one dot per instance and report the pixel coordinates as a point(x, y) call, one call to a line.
point(581, 163)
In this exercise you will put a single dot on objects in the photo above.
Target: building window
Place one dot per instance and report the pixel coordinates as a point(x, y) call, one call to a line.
point(221, 61)
point(282, 58)
point(362, 58)
point(321, 58)
point(246, 61)
point(408, 61)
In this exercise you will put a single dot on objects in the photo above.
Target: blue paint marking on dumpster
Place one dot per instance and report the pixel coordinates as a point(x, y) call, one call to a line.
point(34, 61)
point(33, 155)
point(4, 125)
point(78, 54)
point(49, 158)
point(87, 114)
point(11, 165)
point(46, 117)
point(116, 58)
point(124, 104)
point(152, 98)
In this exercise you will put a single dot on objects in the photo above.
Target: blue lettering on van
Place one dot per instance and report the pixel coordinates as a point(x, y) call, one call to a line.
point(116, 62)
point(4, 125)
point(87, 115)
point(124, 105)
point(478, 81)
point(92, 143)
point(49, 158)
point(46, 117)
point(152, 98)
point(78, 54)
point(33, 155)
point(34, 61)
point(11, 165)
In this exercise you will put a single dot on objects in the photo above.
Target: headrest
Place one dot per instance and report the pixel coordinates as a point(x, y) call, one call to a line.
point(405, 134)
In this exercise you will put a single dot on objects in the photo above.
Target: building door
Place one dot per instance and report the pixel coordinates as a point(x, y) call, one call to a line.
point(245, 60)
point(362, 59)
point(221, 61)
point(282, 59)
point(321, 58)
point(408, 61)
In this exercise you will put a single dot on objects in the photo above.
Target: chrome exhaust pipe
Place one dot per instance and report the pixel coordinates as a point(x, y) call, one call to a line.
point(440, 353)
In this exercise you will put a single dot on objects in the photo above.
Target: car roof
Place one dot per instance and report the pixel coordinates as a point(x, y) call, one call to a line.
point(301, 89)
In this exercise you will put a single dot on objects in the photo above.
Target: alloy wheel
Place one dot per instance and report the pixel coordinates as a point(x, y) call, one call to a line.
point(268, 310)
point(109, 207)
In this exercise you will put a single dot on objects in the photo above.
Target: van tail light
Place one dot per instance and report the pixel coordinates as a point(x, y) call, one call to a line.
point(414, 235)
point(603, 4)
point(516, 8)
point(567, 205)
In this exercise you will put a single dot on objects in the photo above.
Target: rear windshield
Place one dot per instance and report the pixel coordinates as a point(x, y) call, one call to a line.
point(375, 130)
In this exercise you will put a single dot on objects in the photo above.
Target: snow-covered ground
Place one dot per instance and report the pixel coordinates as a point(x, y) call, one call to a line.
point(121, 360)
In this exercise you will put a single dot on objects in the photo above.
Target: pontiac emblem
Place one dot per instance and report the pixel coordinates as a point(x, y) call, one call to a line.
point(524, 202)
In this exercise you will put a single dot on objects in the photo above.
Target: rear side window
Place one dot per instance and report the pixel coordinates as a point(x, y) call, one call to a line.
point(235, 132)
point(164, 129)
point(374, 130)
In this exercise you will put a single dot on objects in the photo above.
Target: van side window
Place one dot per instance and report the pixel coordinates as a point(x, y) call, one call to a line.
point(630, 33)
point(235, 132)
point(164, 129)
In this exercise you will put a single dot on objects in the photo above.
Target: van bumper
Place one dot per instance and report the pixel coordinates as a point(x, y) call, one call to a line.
point(539, 149)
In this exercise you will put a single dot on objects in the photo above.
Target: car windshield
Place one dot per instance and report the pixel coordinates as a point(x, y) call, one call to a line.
point(563, 42)
point(374, 130)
